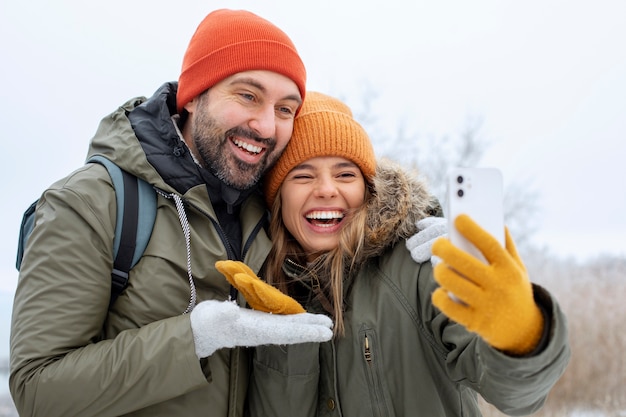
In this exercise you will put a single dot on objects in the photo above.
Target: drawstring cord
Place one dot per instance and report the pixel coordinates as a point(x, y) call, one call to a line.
point(182, 216)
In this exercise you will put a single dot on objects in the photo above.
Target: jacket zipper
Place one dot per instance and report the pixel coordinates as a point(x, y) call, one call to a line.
point(218, 228)
point(229, 251)
point(233, 293)
point(367, 352)
point(373, 377)
point(247, 244)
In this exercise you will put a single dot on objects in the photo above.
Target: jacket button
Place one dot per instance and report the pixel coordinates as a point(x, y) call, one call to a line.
point(330, 403)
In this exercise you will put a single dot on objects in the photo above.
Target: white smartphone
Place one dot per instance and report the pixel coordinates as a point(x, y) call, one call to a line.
point(477, 192)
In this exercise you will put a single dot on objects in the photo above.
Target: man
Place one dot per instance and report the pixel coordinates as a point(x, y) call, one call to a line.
point(172, 343)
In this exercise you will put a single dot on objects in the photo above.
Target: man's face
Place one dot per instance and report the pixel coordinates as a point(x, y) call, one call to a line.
point(241, 125)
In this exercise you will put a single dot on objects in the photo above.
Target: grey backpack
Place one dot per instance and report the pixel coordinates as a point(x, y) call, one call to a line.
point(136, 213)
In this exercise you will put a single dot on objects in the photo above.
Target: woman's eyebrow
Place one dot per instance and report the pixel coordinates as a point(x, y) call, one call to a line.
point(342, 164)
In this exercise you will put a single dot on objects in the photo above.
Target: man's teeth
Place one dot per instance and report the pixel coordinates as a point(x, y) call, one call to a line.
point(324, 215)
point(248, 146)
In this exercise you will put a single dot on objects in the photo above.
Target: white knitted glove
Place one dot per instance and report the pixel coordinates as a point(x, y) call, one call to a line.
point(421, 243)
point(223, 324)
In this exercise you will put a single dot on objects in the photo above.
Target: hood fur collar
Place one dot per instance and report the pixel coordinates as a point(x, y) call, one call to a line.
point(401, 198)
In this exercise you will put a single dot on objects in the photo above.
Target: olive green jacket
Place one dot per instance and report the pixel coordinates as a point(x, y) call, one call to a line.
point(70, 354)
point(401, 356)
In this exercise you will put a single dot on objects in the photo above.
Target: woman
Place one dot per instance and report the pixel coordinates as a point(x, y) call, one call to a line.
point(337, 223)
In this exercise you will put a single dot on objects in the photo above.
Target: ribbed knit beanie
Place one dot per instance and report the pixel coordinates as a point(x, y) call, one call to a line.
point(230, 41)
point(324, 127)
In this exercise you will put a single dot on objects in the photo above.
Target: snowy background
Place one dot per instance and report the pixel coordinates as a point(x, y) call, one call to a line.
point(548, 79)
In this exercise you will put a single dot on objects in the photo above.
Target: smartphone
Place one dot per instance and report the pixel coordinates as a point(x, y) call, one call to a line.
point(477, 192)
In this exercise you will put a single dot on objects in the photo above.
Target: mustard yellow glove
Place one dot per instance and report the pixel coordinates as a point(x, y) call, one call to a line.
point(259, 294)
point(494, 300)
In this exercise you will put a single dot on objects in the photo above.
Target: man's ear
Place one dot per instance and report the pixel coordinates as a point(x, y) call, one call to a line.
point(191, 105)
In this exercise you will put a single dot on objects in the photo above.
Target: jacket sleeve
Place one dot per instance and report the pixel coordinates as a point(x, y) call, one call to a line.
point(60, 366)
point(515, 385)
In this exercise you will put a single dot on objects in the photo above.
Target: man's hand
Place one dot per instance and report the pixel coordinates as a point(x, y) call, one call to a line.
point(223, 324)
point(494, 300)
point(420, 244)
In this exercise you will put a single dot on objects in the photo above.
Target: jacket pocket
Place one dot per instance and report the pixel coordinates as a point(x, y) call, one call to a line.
point(284, 381)
point(372, 363)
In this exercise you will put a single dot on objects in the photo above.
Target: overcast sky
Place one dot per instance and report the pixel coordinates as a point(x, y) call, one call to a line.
point(548, 79)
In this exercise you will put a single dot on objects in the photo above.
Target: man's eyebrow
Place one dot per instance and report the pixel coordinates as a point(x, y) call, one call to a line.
point(256, 84)
point(250, 81)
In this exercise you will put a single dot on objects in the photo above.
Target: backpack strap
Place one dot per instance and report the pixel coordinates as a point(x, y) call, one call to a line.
point(136, 213)
point(26, 228)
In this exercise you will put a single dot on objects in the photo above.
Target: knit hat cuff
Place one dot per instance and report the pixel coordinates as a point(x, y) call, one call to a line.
point(243, 56)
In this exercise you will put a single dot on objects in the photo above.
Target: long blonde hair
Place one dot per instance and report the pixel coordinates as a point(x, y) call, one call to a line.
point(332, 269)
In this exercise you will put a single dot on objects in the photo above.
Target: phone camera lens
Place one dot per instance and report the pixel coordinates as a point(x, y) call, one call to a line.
point(460, 193)
point(459, 179)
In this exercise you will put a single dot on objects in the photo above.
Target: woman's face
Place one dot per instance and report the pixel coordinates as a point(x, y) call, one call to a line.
point(317, 197)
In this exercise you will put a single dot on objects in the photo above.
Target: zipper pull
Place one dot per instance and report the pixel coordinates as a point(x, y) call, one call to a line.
point(366, 351)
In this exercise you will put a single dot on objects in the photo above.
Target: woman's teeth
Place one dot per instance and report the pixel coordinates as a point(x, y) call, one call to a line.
point(324, 217)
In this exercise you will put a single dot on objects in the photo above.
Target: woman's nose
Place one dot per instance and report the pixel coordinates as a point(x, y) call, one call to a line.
point(326, 188)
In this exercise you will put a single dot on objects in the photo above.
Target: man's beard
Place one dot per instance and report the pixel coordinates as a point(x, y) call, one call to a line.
point(212, 145)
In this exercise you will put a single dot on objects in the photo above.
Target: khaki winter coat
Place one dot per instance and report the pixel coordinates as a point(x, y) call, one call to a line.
point(70, 355)
point(401, 356)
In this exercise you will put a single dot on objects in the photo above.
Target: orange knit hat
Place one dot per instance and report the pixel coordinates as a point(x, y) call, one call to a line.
point(230, 41)
point(324, 127)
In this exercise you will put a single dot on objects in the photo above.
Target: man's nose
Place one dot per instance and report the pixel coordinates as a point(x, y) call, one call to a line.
point(264, 122)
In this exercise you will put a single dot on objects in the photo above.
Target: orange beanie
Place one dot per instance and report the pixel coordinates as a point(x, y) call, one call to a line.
point(324, 127)
point(230, 41)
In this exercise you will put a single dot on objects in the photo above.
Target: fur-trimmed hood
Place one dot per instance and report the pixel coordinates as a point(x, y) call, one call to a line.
point(400, 199)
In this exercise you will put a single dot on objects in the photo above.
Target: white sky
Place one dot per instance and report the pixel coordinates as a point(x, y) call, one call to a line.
point(548, 78)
